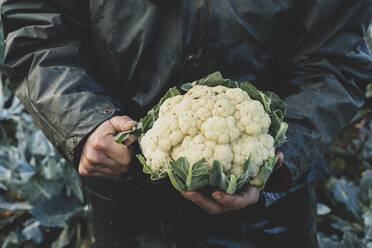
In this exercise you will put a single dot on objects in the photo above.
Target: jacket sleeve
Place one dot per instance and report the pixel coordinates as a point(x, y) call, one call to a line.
point(50, 72)
point(330, 66)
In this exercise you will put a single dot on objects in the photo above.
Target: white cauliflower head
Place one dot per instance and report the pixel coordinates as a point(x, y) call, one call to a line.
point(215, 123)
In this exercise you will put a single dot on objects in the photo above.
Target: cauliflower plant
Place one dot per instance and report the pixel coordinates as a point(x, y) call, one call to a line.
point(215, 123)
point(219, 133)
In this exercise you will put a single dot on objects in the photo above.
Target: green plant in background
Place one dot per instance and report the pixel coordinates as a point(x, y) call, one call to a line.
point(40, 197)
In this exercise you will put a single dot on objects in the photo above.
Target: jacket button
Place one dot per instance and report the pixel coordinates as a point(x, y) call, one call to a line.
point(107, 111)
point(74, 142)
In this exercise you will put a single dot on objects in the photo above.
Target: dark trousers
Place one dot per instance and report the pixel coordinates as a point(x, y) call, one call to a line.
point(157, 217)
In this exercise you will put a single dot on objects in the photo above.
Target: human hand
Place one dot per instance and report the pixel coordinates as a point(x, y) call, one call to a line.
point(221, 202)
point(101, 155)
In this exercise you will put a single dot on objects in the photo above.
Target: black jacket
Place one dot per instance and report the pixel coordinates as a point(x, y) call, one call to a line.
point(76, 63)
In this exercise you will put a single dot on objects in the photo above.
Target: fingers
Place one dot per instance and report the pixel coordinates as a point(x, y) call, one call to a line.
point(209, 205)
point(122, 123)
point(101, 155)
point(222, 202)
point(118, 152)
point(92, 174)
point(102, 141)
point(95, 172)
point(88, 170)
point(280, 160)
point(248, 196)
point(281, 157)
point(107, 152)
point(99, 162)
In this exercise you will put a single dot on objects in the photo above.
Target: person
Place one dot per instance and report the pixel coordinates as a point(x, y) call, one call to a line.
point(85, 70)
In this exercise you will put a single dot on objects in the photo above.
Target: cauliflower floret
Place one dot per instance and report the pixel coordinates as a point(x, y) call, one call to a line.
point(203, 113)
point(236, 169)
point(165, 144)
point(161, 131)
point(148, 145)
point(234, 131)
point(194, 149)
point(242, 150)
point(219, 90)
point(216, 129)
point(223, 108)
point(253, 117)
point(252, 147)
point(176, 152)
point(184, 105)
point(236, 95)
point(172, 121)
point(187, 122)
point(224, 155)
point(208, 155)
point(267, 140)
point(186, 142)
point(161, 128)
point(159, 161)
point(200, 91)
point(168, 105)
point(176, 137)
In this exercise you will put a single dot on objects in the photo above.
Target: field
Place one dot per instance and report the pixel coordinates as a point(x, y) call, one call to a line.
point(42, 205)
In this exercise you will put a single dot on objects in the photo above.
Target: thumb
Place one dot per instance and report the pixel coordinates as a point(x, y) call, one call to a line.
point(280, 160)
point(122, 123)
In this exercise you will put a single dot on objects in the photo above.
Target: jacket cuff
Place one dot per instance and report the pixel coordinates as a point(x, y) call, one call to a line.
point(75, 142)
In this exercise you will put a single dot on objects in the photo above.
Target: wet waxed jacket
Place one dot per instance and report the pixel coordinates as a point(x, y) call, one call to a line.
point(77, 63)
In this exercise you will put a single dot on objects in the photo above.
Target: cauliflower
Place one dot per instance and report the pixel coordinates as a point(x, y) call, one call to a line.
point(217, 134)
point(213, 120)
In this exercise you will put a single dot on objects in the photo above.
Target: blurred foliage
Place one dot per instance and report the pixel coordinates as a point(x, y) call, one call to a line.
point(41, 202)
point(42, 205)
point(39, 191)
